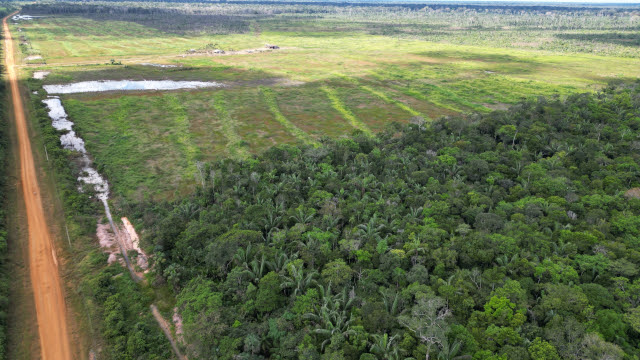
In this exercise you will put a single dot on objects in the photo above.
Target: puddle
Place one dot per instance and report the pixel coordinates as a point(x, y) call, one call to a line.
point(71, 141)
point(57, 114)
point(24, 17)
point(159, 65)
point(39, 75)
point(127, 85)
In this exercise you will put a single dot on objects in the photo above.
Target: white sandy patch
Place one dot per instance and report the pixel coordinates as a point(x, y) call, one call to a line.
point(40, 74)
point(108, 242)
point(132, 242)
point(135, 240)
point(127, 85)
point(105, 236)
point(159, 65)
point(33, 57)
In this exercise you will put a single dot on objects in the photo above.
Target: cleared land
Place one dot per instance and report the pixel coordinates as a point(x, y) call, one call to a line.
point(319, 83)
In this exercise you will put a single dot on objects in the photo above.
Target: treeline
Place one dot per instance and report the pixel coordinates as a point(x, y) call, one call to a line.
point(486, 6)
point(165, 19)
point(4, 175)
point(605, 31)
point(511, 235)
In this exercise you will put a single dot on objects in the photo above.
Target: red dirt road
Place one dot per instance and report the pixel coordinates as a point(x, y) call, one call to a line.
point(47, 286)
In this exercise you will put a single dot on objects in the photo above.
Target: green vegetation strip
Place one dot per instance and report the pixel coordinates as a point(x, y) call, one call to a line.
point(346, 113)
point(383, 96)
point(235, 147)
point(389, 100)
point(183, 134)
point(270, 100)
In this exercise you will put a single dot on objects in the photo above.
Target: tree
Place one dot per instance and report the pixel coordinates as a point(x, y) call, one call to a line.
point(337, 273)
point(383, 346)
point(610, 325)
point(269, 296)
point(542, 350)
point(200, 308)
point(428, 321)
point(298, 281)
point(593, 347)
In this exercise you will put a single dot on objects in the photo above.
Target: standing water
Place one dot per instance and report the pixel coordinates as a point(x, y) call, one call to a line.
point(71, 141)
point(127, 85)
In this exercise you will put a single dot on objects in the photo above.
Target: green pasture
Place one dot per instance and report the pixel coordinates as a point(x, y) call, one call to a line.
point(319, 83)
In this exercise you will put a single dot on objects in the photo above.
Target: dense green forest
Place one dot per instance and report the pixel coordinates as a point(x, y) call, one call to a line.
point(4, 175)
point(509, 235)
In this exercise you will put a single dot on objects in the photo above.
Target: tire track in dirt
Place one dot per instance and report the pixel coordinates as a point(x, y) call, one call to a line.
point(45, 279)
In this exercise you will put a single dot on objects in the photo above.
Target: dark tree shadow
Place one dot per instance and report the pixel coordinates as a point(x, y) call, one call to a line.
point(626, 39)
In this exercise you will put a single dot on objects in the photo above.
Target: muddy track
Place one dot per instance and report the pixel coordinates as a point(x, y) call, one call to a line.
point(51, 309)
point(166, 329)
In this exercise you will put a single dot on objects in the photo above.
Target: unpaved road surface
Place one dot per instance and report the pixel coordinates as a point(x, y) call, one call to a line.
point(164, 325)
point(45, 279)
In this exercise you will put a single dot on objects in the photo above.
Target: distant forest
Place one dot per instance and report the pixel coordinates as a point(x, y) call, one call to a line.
point(502, 6)
point(80, 6)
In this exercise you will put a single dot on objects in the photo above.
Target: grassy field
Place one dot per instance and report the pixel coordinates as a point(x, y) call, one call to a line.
point(321, 82)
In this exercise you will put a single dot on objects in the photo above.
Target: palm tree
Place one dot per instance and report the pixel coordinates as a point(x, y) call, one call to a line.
point(333, 317)
point(390, 302)
point(301, 218)
point(270, 222)
point(280, 261)
point(370, 230)
point(188, 210)
point(383, 346)
point(255, 271)
point(330, 222)
point(298, 281)
point(450, 352)
point(243, 257)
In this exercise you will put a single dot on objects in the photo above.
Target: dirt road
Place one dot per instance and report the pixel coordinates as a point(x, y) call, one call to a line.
point(166, 329)
point(45, 279)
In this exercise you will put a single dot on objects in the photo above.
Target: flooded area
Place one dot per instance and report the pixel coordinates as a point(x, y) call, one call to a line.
point(128, 85)
point(159, 65)
point(70, 141)
point(57, 114)
point(40, 75)
point(24, 17)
